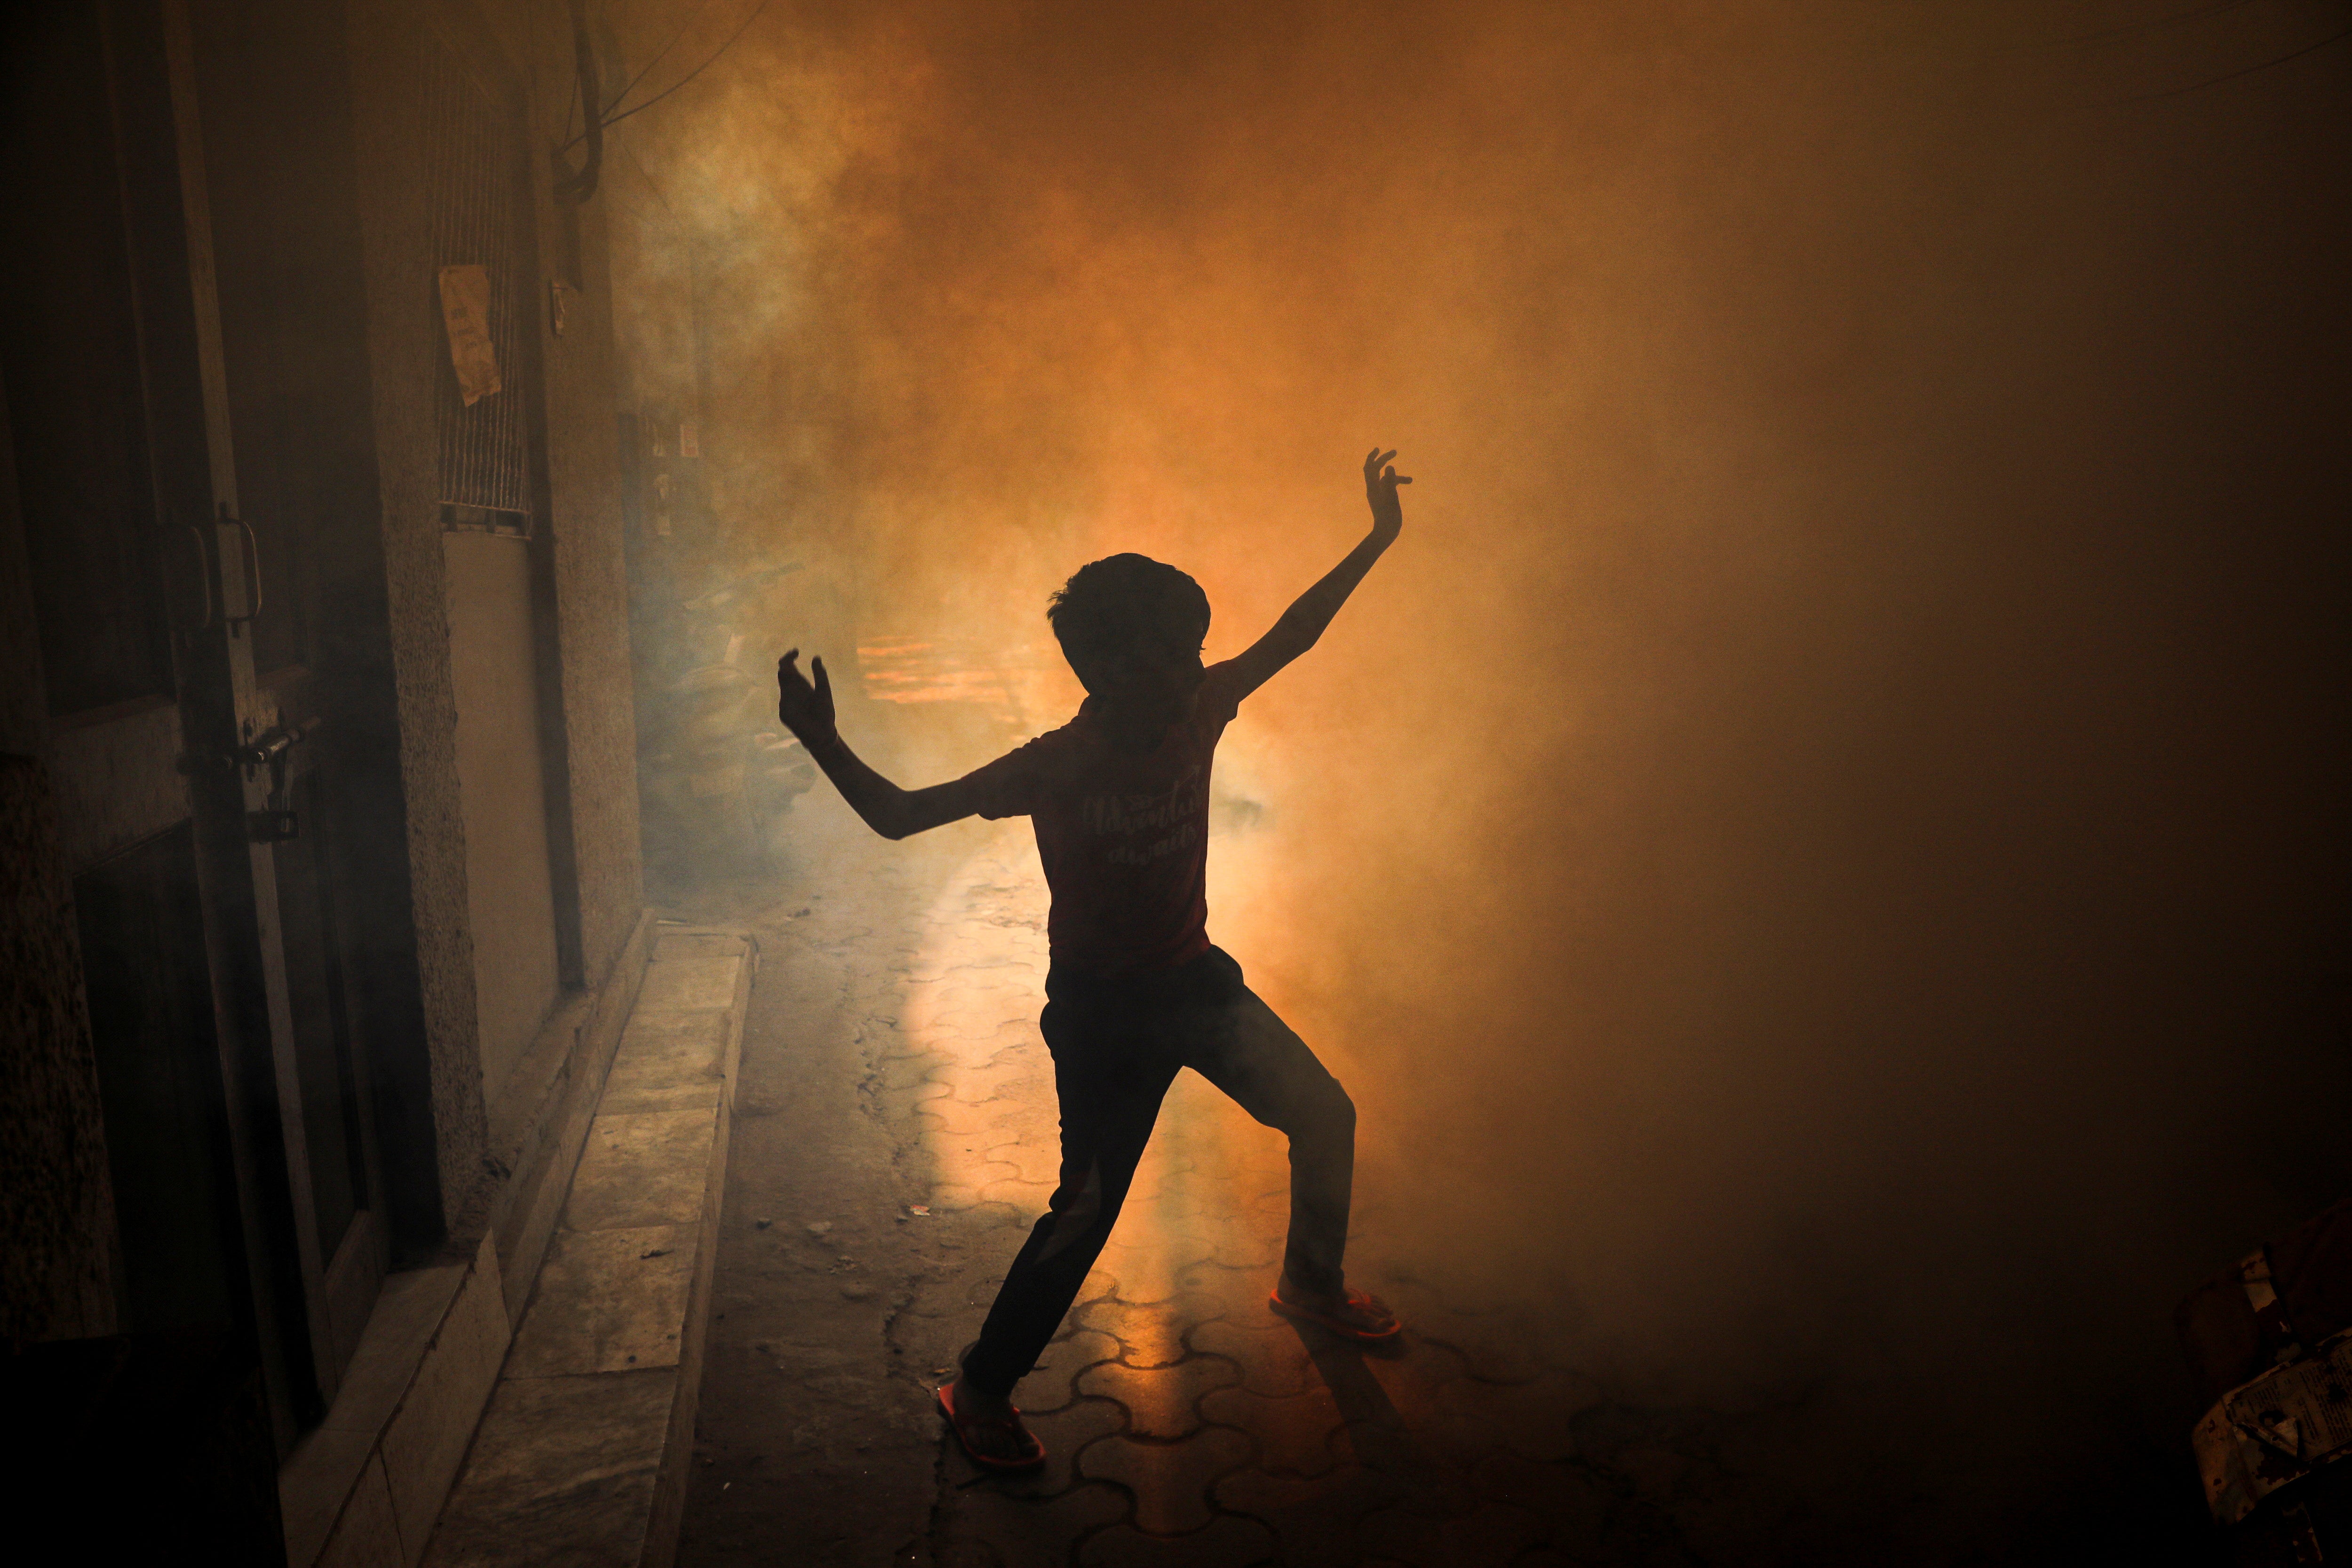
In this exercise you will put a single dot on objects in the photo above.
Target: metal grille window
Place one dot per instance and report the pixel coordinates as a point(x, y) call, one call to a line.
point(474, 199)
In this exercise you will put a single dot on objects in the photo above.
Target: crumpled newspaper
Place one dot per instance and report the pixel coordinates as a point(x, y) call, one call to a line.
point(2277, 1428)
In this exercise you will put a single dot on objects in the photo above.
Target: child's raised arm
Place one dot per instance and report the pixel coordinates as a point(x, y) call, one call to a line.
point(807, 712)
point(1304, 622)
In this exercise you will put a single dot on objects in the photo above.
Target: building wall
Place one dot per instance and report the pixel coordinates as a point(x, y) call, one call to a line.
point(57, 1208)
point(592, 592)
point(409, 1013)
point(389, 190)
point(504, 777)
point(589, 749)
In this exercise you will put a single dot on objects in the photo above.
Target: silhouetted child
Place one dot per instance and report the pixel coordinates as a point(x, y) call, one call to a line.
point(1119, 798)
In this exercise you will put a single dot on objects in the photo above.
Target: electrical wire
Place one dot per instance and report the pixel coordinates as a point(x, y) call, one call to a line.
point(2249, 70)
point(577, 186)
point(663, 53)
point(673, 87)
point(698, 70)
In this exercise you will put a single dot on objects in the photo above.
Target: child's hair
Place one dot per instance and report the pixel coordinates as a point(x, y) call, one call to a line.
point(1107, 602)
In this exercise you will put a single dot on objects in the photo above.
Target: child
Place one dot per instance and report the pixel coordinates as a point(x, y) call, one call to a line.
point(1119, 799)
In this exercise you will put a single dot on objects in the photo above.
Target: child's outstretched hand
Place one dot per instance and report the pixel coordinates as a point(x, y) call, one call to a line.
point(806, 710)
point(1380, 481)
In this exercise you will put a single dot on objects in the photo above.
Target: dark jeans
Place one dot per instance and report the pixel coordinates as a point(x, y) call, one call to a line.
point(1116, 1048)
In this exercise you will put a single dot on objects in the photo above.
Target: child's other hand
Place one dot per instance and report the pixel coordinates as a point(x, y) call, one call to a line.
point(805, 709)
point(1381, 482)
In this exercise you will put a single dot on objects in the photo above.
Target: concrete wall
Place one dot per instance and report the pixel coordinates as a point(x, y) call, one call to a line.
point(345, 214)
point(589, 749)
point(592, 593)
point(396, 261)
point(334, 346)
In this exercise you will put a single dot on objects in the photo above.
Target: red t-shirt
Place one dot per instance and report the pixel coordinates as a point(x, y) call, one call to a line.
point(1124, 836)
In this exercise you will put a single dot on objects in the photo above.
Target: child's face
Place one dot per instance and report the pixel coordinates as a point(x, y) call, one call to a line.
point(1153, 678)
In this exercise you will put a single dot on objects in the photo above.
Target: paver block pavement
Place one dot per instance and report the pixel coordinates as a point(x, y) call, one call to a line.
point(1503, 1476)
point(1162, 1403)
point(1480, 1538)
point(1225, 1542)
point(1297, 1434)
point(892, 1060)
point(1053, 1383)
point(1151, 1268)
point(1236, 1245)
point(1535, 1420)
point(1313, 1520)
point(1170, 1481)
point(1150, 1336)
point(1272, 1361)
point(1026, 1532)
point(1019, 1192)
point(1065, 1433)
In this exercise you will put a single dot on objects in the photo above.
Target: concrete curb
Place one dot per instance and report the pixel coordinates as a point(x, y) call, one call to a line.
point(582, 1454)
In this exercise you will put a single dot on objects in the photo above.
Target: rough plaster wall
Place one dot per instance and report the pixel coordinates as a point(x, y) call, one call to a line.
point(56, 1203)
point(401, 345)
point(592, 592)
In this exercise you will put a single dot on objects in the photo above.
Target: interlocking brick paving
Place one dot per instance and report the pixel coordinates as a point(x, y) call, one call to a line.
point(898, 1137)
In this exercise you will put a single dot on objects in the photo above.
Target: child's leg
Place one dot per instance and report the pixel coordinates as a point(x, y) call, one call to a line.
point(1245, 1050)
point(1110, 1099)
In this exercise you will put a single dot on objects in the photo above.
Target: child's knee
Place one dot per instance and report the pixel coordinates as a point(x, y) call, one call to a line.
point(1334, 1113)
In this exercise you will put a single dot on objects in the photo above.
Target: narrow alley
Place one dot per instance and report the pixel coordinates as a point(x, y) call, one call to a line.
point(561, 558)
point(896, 1136)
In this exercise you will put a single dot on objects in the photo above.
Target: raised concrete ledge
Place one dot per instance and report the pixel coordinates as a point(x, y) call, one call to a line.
point(363, 1488)
point(366, 1486)
point(541, 1119)
point(582, 1456)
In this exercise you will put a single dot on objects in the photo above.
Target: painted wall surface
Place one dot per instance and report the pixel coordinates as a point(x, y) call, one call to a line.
point(502, 779)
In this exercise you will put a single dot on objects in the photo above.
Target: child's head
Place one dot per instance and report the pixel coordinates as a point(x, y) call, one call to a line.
point(1131, 628)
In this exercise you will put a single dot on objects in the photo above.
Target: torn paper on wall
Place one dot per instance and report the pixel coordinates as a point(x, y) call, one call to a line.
point(466, 312)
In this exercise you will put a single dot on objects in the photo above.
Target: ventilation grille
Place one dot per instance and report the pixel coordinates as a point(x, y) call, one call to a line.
point(475, 200)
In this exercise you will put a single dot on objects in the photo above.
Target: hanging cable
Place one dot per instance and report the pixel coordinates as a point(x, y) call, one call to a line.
point(659, 55)
point(596, 127)
point(2249, 70)
point(577, 186)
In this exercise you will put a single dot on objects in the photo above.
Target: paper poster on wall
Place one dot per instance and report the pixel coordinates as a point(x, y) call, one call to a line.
point(466, 312)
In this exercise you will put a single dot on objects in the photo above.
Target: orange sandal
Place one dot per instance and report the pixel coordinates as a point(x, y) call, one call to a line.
point(1363, 1318)
point(956, 1425)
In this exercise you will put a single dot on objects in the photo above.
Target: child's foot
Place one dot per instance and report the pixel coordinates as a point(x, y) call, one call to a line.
point(989, 1428)
point(1352, 1314)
